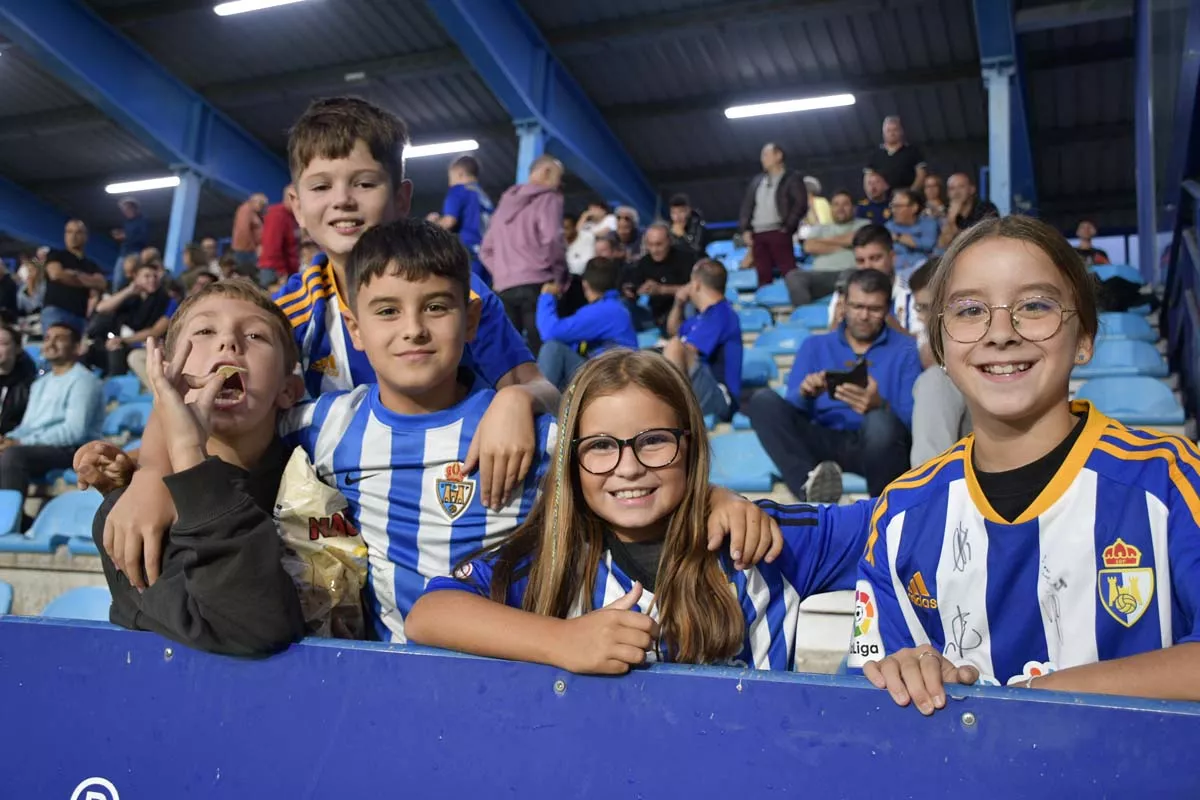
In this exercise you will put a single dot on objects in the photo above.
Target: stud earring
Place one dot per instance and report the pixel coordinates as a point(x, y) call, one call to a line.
point(1079, 358)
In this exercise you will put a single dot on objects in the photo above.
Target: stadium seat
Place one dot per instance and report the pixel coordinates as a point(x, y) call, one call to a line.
point(34, 351)
point(1127, 325)
point(128, 418)
point(741, 422)
point(63, 517)
point(758, 369)
point(1137, 400)
point(10, 509)
point(814, 316)
point(1122, 357)
point(719, 249)
point(740, 464)
point(754, 319)
point(783, 340)
point(5, 598)
point(1106, 272)
point(773, 295)
point(84, 602)
point(121, 388)
point(743, 280)
point(853, 484)
point(82, 547)
point(648, 339)
point(733, 260)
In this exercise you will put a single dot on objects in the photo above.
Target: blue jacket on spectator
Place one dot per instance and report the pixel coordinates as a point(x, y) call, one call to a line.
point(892, 361)
point(64, 410)
point(924, 232)
point(136, 235)
point(598, 326)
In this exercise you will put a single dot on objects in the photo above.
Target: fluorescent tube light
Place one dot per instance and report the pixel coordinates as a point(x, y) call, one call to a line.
point(440, 148)
point(242, 6)
point(125, 187)
point(789, 106)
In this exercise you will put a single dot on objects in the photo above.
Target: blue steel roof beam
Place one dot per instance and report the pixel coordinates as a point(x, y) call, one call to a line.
point(124, 82)
point(26, 217)
point(515, 61)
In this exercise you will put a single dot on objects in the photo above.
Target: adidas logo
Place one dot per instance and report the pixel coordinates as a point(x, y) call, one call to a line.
point(918, 593)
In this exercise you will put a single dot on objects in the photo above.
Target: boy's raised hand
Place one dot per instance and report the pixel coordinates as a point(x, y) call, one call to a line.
point(186, 425)
point(102, 466)
point(503, 446)
point(753, 534)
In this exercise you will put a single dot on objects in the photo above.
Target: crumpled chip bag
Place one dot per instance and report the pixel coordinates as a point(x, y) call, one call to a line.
point(324, 553)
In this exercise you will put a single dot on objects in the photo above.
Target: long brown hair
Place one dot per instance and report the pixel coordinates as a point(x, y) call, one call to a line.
point(561, 542)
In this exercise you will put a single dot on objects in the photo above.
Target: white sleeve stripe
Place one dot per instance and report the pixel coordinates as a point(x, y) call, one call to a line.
point(1158, 514)
point(915, 629)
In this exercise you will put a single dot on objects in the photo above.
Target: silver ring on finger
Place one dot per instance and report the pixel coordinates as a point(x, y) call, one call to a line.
point(926, 653)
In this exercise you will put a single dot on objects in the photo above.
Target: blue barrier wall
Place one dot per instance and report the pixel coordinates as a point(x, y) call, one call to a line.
point(343, 720)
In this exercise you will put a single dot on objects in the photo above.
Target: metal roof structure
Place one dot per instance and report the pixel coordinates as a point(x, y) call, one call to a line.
point(659, 71)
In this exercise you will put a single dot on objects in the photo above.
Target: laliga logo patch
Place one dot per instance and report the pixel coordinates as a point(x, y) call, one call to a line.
point(454, 491)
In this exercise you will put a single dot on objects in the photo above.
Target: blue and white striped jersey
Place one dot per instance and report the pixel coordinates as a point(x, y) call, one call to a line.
point(821, 547)
point(403, 480)
point(328, 360)
point(1104, 564)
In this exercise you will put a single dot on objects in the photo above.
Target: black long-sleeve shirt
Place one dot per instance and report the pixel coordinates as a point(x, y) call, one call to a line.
point(223, 587)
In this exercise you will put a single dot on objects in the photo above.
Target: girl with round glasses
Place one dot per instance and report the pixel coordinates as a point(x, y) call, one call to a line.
point(611, 568)
point(1054, 548)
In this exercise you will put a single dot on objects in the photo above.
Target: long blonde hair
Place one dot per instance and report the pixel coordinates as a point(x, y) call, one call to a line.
point(561, 542)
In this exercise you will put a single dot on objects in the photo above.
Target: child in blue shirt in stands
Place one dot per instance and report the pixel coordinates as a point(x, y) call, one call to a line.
point(467, 210)
point(602, 324)
point(708, 346)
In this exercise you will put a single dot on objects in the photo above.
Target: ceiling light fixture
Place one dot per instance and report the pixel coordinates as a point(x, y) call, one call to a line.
point(440, 148)
point(789, 106)
point(243, 6)
point(125, 187)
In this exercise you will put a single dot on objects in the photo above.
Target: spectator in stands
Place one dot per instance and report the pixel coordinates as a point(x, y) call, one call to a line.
point(280, 246)
point(230, 267)
point(467, 209)
point(72, 280)
point(833, 248)
point(628, 237)
point(824, 427)
point(33, 288)
point(819, 211)
point(873, 249)
point(597, 219)
point(524, 247)
point(17, 374)
point(775, 203)
point(687, 225)
point(901, 165)
point(149, 255)
point(606, 247)
point(195, 280)
point(935, 198)
point(247, 231)
point(211, 254)
point(581, 245)
point(65, 410)
point(940, 415)
point(9, 290)
point(125, 320)
point(600, 325)
point(660, 273)
point(133, 235)
point(914, 235)
point(224, 587)
point(707, 346)
point(1091, 255)
point(874, 208)
point(310, 251)
point(966, 208)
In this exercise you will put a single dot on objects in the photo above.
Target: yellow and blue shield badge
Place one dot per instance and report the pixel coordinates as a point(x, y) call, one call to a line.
point(1126, 588)
point(454, 491)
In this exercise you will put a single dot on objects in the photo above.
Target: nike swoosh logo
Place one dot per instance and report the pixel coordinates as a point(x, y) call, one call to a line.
point(352, 479)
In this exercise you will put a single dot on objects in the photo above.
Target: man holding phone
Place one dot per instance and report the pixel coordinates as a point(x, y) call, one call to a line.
point(849, 400)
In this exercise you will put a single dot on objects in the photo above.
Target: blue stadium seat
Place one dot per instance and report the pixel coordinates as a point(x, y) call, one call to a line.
point(121, 388)
point(82, 547)
point(758, 369)
point(741, 422)
point(34, 351)
point(63, 517)
point(5, 598)
point(1122, 357)
point(10, 509)
point(1136, 400)
point(1126, 325)
point(754, 318)
point(773, 295)
point(719, 249)
point(647, 339)
point(782, 340)
point(84, 602)
point(743, 280)
point(853, 484)
point(734, 258)
point(814, 316)
point(1106, 272)
point(740, 464)
point(710, 421)
point(127, 418)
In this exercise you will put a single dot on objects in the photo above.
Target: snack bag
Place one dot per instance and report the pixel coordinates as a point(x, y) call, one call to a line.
point(325, 555)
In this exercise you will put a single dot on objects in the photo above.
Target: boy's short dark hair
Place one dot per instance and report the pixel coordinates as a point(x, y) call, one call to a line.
point(843, 192)
point(711, 273)
point(333, 125)
point(680, 200)
point(602, 274)
point(412, 249)
point(154, 265)
point(870, 281)
point(76, 333)
point(923, 274)
point(467, 164)
point(237, 288)
point(873, 234)
point(193, 276)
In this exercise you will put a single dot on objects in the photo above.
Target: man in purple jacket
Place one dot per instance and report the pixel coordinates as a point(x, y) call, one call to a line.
point(524, 246)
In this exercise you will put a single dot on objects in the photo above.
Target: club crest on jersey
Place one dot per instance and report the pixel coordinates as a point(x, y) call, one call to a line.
point(1126, 588)
point(325, 366)
point(454, 491)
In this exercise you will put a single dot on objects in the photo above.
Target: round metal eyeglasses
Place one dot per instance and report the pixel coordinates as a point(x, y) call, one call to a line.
point(1035, 319)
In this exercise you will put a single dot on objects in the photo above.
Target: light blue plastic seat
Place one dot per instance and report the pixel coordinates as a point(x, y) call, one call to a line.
point(84, 602)
point(121, 388)
point(68, 515)
point(754, 318)
point(742, 280)
point(782, 340)
point(1136, 400)
point(34, 351)
point(814, 316)
point(1122, 357)
point(1106, 272)
point(647, 339)
point(773, 295)
point(1126, 325)
point(82, 547)
point(740, 464)
point(741, 422)
point(128, 418)
point(5, 598)
point(719, 249)
point(758, 369)
point(853, 483)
